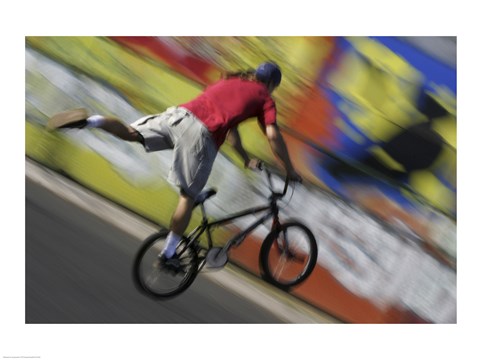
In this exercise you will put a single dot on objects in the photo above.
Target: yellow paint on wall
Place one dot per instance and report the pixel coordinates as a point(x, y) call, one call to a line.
point(426, 184)
point(149, 87)
point(380, 88)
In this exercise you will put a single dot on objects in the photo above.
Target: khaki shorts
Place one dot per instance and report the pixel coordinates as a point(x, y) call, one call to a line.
point(194, 150)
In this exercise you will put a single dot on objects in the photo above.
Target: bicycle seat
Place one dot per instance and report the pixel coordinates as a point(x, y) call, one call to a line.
point(204, 195)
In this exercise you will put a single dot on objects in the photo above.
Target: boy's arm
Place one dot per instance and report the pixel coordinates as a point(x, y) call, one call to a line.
point(279, 148)
point(234, 139)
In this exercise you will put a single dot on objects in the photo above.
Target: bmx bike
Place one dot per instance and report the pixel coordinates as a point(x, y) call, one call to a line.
point(288, 254)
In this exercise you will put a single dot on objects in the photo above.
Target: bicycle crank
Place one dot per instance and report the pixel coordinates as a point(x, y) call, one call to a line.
point(216, 258)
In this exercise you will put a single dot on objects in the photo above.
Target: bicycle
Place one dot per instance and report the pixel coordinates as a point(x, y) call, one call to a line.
point(287, 256)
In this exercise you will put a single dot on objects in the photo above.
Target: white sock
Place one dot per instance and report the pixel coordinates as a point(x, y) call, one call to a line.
point(171, 244)
point(95, 121)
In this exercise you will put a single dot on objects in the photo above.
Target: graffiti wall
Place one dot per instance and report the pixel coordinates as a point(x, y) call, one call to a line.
point(370, 124)
point(372, 119)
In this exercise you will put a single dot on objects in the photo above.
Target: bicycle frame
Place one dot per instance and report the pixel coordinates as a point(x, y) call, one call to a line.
point(275, 254)
point(271, 210)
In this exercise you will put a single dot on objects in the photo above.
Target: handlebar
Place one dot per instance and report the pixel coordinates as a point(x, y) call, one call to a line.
point(278, 195)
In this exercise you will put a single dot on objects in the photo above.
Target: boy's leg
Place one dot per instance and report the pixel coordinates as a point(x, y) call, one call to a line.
point(182, 214)
point(193, 157)
point(179, 222)
point(118, 129)
point(78, 118)
point(152, 140)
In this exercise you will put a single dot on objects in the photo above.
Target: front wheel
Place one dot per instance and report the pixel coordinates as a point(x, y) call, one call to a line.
point(288, 255)
point(161, 280)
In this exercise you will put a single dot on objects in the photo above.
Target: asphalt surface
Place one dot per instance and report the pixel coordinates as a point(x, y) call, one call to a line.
point(78, 270)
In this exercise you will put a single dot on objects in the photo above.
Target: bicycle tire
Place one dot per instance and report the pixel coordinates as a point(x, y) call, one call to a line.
point(155, 279)
point(288, 255)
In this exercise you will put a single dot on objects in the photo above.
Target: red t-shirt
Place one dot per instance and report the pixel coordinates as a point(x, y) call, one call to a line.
point(228, 102)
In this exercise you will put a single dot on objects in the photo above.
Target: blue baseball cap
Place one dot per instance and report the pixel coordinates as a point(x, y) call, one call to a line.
point(269, 72)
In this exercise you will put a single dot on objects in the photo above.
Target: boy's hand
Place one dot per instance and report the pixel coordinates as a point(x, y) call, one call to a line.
point(253, 164)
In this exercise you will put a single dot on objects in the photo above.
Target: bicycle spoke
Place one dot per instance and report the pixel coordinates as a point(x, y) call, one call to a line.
point(280, 266)
point(164, 278)
point(151, 278)
point(288, 257)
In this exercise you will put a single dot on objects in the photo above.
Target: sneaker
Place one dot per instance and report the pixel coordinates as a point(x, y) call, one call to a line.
point(76, 118)
point(173, 264)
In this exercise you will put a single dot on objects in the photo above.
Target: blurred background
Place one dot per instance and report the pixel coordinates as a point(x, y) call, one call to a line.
point(370, 123)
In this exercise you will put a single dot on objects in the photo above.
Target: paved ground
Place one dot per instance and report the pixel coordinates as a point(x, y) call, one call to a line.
point(78, 268)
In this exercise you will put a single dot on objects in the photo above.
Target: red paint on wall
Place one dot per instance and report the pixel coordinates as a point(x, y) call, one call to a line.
point(177, 58)
point(323, 291)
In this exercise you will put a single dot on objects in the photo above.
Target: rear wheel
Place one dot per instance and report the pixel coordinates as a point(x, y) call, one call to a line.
point(288, 255)
point(160, 279)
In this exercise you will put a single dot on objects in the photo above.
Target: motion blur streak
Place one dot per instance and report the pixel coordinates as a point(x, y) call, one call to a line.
point(371, 125)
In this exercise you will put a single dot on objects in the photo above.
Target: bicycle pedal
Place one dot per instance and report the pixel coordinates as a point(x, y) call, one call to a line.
point(173, 264)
